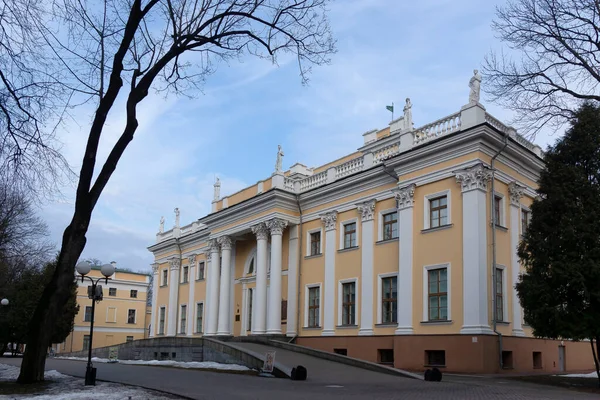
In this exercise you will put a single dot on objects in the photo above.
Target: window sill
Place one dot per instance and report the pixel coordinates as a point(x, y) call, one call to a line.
point(502, 322)
point(312, 328)
point(387, 325)
point(346, 326)
point(347, 249)
point(500, 227)
point(163, 285)
point(200, 280)
point(184, 283)
point(437, 228)
point(313, 256)
point(440, 322)
point(434, 366)
point(392, 240)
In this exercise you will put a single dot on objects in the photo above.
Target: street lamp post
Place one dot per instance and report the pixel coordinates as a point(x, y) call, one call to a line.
point(94, 293)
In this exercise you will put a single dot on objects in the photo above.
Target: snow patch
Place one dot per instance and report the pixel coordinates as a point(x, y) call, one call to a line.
point(170, 363)
point(590, 375)
point(11, 373)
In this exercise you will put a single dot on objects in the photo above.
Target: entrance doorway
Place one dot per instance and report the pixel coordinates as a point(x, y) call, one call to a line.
point(561, 358)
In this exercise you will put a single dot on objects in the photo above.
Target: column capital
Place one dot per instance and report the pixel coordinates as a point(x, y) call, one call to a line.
point(154, 268)
point(226, 242)
point(516, 192)
point(192, 260)
point(276, 226)
point(473, 178)
point(405, 196)
point(174, 263)
point(329, 220)
point(213, 244)
point(366, 210)
point(261, 231)
point(208, 256)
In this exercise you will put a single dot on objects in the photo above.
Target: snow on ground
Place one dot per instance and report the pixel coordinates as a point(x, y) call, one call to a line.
point(65, 387)
point(178, 364)
point(590, 375)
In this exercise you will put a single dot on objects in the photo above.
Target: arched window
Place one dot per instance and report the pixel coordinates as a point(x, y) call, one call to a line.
point(251, 267)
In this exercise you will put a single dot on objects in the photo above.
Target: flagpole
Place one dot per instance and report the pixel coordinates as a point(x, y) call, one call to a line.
point(392, 110)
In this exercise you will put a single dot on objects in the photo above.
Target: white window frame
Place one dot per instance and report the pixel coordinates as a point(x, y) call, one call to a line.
point(196, 316)
point(356, 302)
point(181, 314)
point(426, 269)
point(308, 233)
point(380, 215)
point(306, 289)
point(108, 313)
point(182, 274)
point(380, 278)
point(197, 277)
point(502, 222)
point(521, 209)
point(344, 223)
point(134, 317)
point(84, 308)
point(504, 293)
point(158, 332)
point(163, 281)
point(427, 207)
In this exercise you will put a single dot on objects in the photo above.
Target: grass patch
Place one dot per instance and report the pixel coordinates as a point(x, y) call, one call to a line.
point(13, 387)
point(589, 385)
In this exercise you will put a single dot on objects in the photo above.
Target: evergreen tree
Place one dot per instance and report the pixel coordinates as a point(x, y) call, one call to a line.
point(560, 289)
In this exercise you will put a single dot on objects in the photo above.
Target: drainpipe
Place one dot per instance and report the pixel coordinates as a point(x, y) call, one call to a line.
point(492, 197)
point(299, 275)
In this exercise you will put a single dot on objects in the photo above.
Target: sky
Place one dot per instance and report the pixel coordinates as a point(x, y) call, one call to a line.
point(387, 50)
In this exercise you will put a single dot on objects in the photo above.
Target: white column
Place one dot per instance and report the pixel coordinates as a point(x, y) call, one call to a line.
point(244, 310)
point(276, 227)
point(366, 211)
point(224, 295)
point(175, 264)
point(405, 203)
point(292, 303)
point(208, 293)
point(516, 192)
point(191, 307)
point(473, 182)
point(154, 295)
point(328, 295)
point(213, 281)
point(259, 325)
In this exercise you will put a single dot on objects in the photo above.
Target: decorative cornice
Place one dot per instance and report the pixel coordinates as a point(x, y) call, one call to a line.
point(192, 260)
point(155, 268)
point(474, 178)
point(276, 226)
point(175, 263)
point(405, 196)
point(261, 231)
point(226, 242)
point(329, 220)
point(366, 210)
point(213, 245)
point(516, 192)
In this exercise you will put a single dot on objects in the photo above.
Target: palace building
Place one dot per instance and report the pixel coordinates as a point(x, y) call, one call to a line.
point(384, 255)
point(120, 317)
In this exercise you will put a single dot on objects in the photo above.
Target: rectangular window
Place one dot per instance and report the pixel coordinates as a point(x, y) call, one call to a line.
point(182, 318)
point(313, 307)
point(343, 352)
point(537, 359)
point(112, 291)
point(131, 316)
point(386, 356)
point(499, 296)
point(438, 294)
point(133, 294)
point(161, 322)
point(129, 339)
point(199, 316)
point(315, 243)
point(350, 235)
point(87, 317)
point(497, 208)
point(435, 358)
point(283, 310)
point(86, 342)
point(525, 216)
point(186, 274)
point(390, 226)
point(111, 314)
point(389, 300)
point(349, 303)
point(165, 277)
point(438, 211)
point(201, 270)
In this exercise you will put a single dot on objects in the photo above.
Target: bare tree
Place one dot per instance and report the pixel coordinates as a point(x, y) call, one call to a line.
point(33, 99)
point(558, 42)
point(127, 48)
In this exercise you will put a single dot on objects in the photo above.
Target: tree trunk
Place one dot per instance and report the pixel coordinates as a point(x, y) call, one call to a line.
point(56, 295)
point(596, 354)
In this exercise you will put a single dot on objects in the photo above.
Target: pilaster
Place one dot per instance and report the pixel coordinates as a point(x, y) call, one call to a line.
point(330, 222)
point(366, 211)
point(292, 303)
point(191, 305)
point(155, 272)
point(174, 265)
point(213, 281)
point(224, 294)
point(516, 192)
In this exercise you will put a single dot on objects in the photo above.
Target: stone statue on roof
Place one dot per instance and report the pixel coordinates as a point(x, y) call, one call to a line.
point(161, 228)
point(176, 217)
point(475, 85)
point(279, 162)
point(217, 190)
point(408, 122)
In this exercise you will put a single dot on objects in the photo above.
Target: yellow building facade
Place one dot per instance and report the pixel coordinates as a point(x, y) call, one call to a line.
point(120, 317)
point(384, 255)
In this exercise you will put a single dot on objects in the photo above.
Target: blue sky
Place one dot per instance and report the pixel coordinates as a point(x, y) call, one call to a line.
point(387, 50)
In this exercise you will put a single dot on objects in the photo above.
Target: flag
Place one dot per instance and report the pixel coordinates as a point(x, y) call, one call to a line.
point(390, 108)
